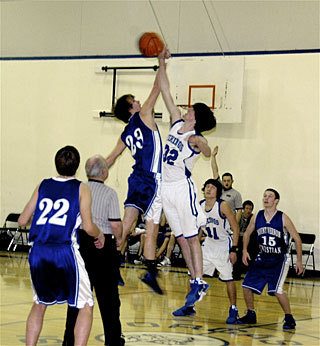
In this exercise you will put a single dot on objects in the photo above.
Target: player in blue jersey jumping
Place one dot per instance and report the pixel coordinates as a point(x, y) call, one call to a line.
point(179, 194)
point(142, 137)
point(57, 207)
point(274, 229)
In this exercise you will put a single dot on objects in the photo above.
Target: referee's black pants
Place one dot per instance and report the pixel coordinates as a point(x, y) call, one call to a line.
point(102, 266)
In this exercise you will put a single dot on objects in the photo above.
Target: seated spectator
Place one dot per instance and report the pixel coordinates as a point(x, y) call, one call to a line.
point(165, 243)
point(246, 214)
point(135, 241)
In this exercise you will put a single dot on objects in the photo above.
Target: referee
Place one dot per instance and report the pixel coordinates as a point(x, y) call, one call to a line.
point(102, 265)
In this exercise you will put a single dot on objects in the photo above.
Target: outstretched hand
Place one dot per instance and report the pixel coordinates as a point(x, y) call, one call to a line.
point(165, 53)
point(214, 151)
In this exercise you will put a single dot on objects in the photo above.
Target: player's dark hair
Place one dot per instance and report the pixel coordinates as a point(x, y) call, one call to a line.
point(205, 119)
point(215, 183)
point(67, 161)
point(227, 174)
point(276, 193)
point(122, 108)
point(248, 202)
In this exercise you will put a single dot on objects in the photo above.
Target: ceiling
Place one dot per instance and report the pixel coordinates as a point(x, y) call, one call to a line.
point(108, 28)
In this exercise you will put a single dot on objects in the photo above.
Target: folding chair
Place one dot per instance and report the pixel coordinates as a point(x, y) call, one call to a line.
point(308, 240)
point(19, 234)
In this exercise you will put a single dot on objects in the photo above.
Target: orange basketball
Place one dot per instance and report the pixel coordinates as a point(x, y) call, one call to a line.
point(150, 44)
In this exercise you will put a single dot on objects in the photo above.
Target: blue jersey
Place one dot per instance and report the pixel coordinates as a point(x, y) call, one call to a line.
point(57, 213)
point(273, 239)
point(145, 145)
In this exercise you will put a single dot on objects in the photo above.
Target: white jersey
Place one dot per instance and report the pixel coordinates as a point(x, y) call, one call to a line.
point(216, 246)
point(217, 227)
point(178, 157)
point(179, 193)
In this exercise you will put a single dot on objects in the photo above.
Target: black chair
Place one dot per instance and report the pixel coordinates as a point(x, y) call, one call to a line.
point(308, 241)
point(19, 234)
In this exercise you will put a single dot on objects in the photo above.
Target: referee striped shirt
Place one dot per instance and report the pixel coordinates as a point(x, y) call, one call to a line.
point(105, 205)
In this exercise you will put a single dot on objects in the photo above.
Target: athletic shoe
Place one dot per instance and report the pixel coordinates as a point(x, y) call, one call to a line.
point(139, 231)
point(233, 316)
point(249, 318)
point(204, 290)
point(165, 262)
point(184, 311)
point(120, 280)
point(289, 323)
point(151, 280)
point(196, 293)
point(140, 260)
point(122, 341)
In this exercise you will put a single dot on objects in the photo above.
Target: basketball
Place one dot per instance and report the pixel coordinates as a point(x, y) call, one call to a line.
point(150, 44)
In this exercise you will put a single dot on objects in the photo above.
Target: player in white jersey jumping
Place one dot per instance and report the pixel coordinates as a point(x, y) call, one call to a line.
point(219, 247)
point(179, 196)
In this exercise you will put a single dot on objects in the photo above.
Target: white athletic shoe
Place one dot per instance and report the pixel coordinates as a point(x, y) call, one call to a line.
point(165, 262)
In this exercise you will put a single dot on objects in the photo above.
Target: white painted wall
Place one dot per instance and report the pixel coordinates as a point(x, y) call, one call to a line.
point(48, 104)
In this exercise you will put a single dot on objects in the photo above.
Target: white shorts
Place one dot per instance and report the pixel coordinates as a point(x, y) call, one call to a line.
point(182, 209)
point(217, 257)
point(155, 208)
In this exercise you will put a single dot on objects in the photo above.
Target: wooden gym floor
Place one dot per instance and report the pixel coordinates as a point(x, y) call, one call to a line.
point(146, 317)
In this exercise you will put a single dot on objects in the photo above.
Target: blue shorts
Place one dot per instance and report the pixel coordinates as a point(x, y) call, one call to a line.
point(144, 194)
point(58, 275)
point(261, 273)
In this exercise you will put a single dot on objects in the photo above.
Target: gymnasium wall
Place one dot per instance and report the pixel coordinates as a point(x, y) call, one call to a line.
point(46, 104)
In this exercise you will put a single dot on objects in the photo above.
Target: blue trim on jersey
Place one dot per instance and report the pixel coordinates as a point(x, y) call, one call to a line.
point(219, 201)
point(187, 172)
point(192, 236)
point(194, 152)
point(176, 122)
point(193, 197)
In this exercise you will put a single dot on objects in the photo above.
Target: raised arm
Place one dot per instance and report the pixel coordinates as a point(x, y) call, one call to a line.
point(214, 165)
point(173, 110)
point(147, 109)
point(200, 143)
point(117, 151)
